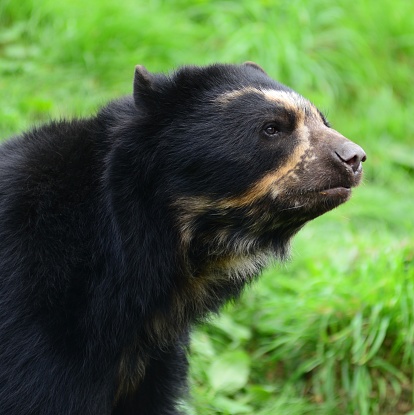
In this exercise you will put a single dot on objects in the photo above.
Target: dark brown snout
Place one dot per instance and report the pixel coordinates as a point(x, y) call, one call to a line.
point(351, 154)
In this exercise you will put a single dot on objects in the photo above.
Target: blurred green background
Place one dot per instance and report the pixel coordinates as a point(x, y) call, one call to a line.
point(332, 331)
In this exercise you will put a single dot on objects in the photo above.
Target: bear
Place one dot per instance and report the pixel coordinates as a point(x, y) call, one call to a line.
point(120, 232)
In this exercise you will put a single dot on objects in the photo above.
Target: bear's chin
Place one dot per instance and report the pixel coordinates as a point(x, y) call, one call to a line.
point(325, 200)
point(315, 203)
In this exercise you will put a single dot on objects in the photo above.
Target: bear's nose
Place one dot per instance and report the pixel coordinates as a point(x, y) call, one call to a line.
point(351, 154)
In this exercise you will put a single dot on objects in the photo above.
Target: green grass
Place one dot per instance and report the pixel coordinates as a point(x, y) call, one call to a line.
point(332, 330)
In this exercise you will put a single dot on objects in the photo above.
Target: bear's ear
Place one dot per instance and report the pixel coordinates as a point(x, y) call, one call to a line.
point(255, 65)
point(143, 83)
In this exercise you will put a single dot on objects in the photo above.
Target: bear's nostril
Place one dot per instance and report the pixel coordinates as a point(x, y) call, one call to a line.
point(352, 155)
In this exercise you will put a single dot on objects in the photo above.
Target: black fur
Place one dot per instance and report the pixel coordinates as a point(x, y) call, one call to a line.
point(118, 232)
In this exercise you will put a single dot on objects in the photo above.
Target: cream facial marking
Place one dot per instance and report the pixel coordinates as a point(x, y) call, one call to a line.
point(237, 93)
point(291, 100)
point(294, 101)
point(272, 183)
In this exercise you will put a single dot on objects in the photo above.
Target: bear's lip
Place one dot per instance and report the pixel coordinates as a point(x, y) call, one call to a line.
point(320, 201)
point(343, 189)
point(340, 191)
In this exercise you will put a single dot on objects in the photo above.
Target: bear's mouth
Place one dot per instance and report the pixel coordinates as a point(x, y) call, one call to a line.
point(316, 202)
point(339, 192)
point(333, 196)
point(336, 192)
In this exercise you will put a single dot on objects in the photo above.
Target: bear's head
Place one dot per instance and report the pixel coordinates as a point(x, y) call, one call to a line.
point(248, 161)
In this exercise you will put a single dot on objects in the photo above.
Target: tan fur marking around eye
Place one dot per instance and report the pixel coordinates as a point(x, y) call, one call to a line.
point(290, 100)
point(193, 207)
point(268, 184)
point(229, 96)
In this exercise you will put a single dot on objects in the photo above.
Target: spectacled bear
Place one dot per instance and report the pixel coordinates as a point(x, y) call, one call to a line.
point(120, 231)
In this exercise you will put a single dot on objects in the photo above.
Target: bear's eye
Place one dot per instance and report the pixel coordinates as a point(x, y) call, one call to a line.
point(271, 130)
